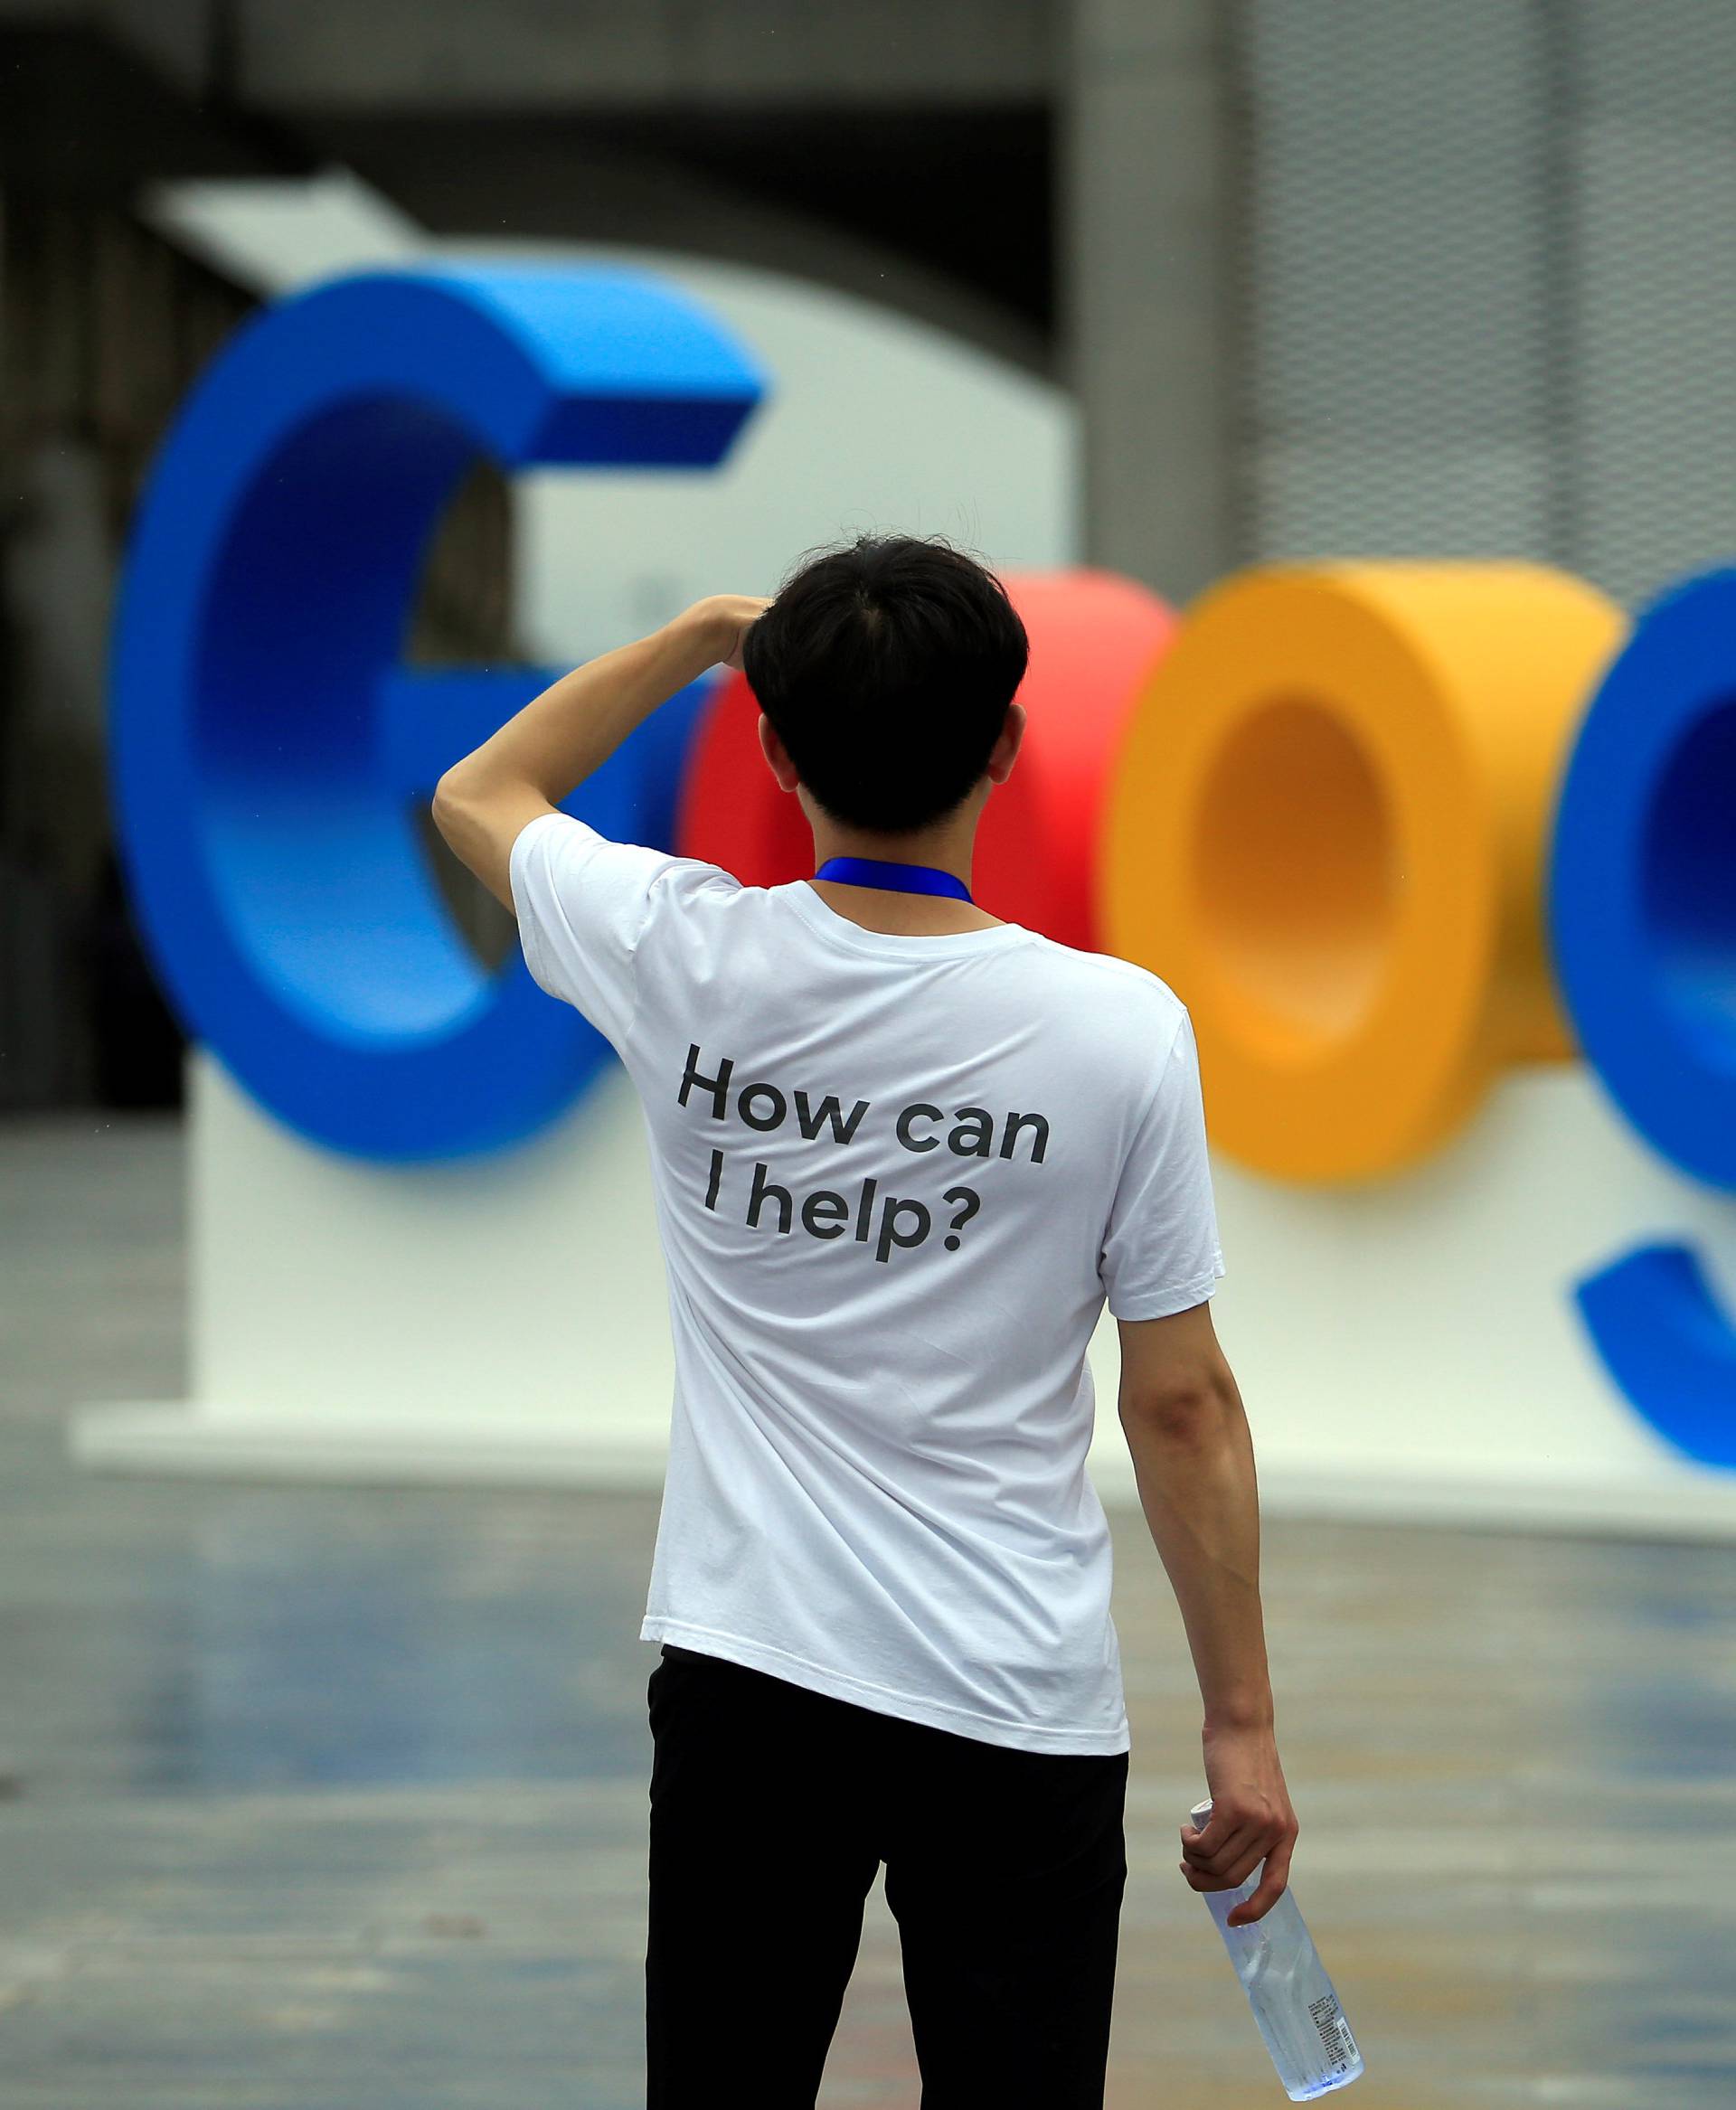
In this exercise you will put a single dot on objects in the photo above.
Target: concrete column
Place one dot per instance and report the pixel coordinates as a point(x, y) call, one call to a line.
point(1146, 274)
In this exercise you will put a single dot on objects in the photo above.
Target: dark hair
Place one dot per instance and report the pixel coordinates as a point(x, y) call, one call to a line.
point(886, 667)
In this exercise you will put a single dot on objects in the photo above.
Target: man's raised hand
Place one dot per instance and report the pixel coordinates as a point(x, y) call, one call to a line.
point(727, 618)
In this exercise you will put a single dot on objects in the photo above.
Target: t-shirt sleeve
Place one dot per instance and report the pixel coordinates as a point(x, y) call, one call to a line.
point(1161, 1252)
point(584, 906)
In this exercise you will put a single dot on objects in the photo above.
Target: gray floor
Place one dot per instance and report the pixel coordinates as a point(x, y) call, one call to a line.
point(333, 1800)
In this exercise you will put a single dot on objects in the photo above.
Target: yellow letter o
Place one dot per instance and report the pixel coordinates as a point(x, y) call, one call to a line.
point(1326, 830)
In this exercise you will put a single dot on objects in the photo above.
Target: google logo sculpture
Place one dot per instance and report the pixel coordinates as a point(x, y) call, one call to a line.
point(1389, 829)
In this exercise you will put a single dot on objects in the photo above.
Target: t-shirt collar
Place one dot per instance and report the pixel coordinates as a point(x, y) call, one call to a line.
point(813, 908)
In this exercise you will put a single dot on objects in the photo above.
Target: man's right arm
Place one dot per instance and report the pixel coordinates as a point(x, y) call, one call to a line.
point(1193, 1460)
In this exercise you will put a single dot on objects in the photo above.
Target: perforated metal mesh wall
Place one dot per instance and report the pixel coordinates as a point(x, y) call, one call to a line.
point(1489, 281)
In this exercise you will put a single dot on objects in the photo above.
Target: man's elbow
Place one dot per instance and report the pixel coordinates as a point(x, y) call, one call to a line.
point(462, 825)
point(1186, 1407)
point(447, 803)
point(463, 819)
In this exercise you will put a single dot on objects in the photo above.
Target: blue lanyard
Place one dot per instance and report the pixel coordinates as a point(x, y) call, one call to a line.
point(903, 878)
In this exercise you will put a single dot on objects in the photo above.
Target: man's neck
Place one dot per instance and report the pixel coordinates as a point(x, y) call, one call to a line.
point(944, 849)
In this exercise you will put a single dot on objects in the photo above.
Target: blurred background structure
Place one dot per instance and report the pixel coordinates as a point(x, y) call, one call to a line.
point(1366, 277)
point(322, 1798)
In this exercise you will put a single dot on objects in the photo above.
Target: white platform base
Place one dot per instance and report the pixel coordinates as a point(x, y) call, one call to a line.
point(170, 1440)
point(178, 1441)
point(1407, 1352)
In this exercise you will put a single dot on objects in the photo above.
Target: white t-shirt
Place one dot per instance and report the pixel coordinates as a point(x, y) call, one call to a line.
point(896, 1177)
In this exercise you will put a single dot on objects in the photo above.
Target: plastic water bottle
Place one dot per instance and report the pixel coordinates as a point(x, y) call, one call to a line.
point(1292, 1998)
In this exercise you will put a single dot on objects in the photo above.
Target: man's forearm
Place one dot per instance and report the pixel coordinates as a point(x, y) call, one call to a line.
point(1196, 1474)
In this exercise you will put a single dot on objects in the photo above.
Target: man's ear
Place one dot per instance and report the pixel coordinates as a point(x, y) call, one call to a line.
point(776, 754)
point(1004, 752)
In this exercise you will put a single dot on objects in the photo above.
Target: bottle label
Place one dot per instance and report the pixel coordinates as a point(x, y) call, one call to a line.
point(1328, 2019)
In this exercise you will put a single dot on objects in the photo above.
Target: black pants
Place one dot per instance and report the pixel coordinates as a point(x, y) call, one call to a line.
point(772, 1808)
